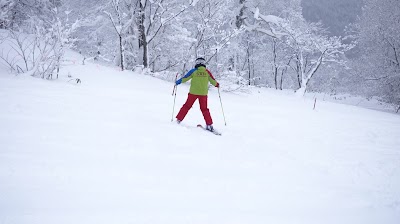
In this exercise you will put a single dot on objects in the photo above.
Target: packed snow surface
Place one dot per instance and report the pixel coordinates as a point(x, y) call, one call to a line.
point(106, 151)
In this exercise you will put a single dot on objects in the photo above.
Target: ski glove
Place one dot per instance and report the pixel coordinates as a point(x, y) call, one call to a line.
point(217, 85)
point(178, 82)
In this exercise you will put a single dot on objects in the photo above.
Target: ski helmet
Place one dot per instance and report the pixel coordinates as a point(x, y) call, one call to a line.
point(200, 61)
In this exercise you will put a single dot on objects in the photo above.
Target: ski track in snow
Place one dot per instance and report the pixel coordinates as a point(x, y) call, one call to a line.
point(106, 151)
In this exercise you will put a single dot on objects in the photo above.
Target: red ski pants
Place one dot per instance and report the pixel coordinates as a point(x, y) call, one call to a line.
point(203, 107)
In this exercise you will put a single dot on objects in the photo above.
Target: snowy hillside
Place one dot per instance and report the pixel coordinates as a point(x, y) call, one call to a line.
point(106, 151)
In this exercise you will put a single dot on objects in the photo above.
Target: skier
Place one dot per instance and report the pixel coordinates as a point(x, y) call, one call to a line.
point(200, 77)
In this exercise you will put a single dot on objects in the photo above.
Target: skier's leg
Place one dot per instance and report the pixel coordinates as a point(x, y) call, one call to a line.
point(204, 109)
point(186, 107)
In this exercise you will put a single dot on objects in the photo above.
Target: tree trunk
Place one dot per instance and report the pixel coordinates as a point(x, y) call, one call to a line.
point(307, 77)
point(298, 70)
point(283, 72)
point(142, 32)
point(145, 56)
point(275, 68)
point(121, 53)
point(301, 91)
point(58, 65)
point(240, 18)
point(248, 63)
point(281, 81)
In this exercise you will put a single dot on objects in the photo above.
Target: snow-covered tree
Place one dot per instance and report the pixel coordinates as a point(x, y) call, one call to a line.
point(212, 29)
point(6, 8)
point(379, 44)
point(95, 37)
point(25, 14)
point(153, 18)
point(262, 51)
point(311, 48)
point(41, 39)
point(119, 26)
point(258, 41)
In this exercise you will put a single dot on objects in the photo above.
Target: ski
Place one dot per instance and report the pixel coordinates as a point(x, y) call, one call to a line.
point(215, 132)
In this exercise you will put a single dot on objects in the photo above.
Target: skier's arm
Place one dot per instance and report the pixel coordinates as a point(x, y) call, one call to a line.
point(212, 79)
point(185, 78)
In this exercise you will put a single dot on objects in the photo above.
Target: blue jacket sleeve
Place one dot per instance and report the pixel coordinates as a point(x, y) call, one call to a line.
point(179, 81)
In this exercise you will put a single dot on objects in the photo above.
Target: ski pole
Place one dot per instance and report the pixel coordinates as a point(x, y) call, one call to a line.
point(174, 93)
point(220, 100)
point(173, 90)
point(173, 108)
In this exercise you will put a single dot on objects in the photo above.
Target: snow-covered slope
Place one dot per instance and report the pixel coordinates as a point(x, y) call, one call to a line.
point(106, 151)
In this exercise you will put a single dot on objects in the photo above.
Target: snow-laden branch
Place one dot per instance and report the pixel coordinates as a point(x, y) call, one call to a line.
point(116, 27)
point(266, 24)
point(164, 21)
